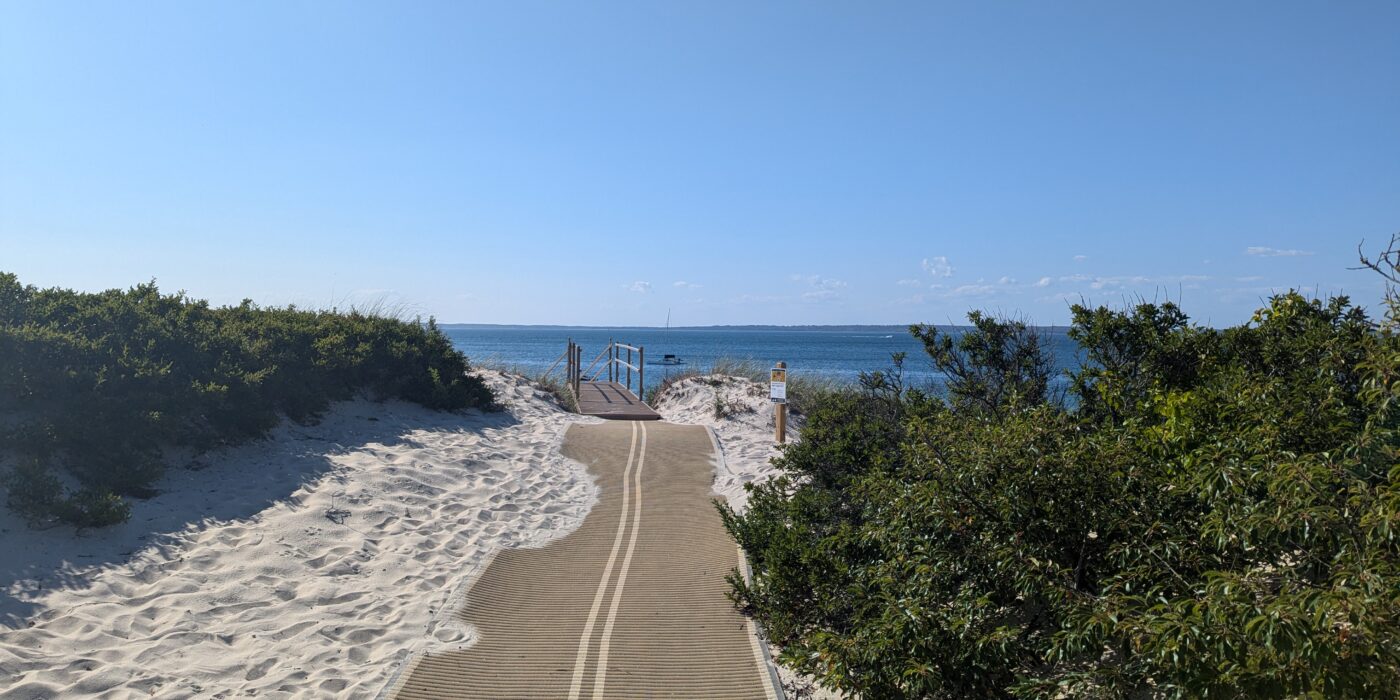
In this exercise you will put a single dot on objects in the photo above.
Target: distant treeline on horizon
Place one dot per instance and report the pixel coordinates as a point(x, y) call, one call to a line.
point(897, 328)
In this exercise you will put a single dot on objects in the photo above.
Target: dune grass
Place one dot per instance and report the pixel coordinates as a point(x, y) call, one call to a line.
point(804, 390)
point(553, 383)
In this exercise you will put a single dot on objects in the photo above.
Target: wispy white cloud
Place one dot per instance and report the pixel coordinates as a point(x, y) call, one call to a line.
point(682, 284)
point(759, 299)
point(1125, 281)
point(640, 287)
point(1060, 298)
point(938, 266)
point(819, 282)
point(1006, 280)
point(1044, 282)
point(822, 288)
point(820, 295)
point(1267, 252)
point(1080, 258)
point(972, 290)
point(1118, 281)
point(909, 283)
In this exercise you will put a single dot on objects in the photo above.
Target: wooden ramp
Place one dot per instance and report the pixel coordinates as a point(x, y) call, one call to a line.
point(608, 399)
point(612, 400)
point(630, 605)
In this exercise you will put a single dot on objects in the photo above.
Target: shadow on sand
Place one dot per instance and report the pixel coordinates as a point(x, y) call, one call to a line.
point(225, 485)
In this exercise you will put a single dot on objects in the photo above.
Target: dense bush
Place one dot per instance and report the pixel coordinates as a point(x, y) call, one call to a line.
point(99, 383)
point(1214, 514)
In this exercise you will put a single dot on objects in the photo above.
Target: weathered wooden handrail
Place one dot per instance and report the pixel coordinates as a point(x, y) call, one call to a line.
point(593, 364)
point(613, 366)
point(573, 374)
point(578, 362)
point(615, 361)
point(550, 371)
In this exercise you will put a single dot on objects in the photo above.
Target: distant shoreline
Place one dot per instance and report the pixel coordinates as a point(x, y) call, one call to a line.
point(899, 328)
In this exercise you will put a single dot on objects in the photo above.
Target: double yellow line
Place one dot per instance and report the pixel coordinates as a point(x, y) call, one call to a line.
point(631, 481)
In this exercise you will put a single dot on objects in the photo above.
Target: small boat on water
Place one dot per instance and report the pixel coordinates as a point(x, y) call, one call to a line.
point(668, 359)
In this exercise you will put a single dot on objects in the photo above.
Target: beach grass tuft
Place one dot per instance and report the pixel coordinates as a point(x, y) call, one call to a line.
point(804, 389)
point(552, 383)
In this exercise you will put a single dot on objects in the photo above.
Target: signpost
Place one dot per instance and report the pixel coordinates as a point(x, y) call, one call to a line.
point(777, 392)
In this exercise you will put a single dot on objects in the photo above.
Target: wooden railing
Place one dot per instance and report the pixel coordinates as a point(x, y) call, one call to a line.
point(614, 366)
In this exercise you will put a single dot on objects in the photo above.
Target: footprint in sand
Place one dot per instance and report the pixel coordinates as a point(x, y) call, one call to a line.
point(337, 600)
point(259, 670)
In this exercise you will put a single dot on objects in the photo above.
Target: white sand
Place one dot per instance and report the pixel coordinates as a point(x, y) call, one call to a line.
point(233, 581)
point(745, 428)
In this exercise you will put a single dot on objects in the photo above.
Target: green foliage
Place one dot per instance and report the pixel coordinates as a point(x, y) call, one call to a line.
point(33, 490)
point(100, 383)
point(1217, 515)
point(93, 508)
point(1130, 353)
point(995, 366)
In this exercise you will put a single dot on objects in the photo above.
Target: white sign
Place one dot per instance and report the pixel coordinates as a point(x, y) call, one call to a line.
point(777, 385)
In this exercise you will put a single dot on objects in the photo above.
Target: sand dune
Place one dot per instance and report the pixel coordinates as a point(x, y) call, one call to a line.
point(744, 430)
point(313, 563)
point(308, 564)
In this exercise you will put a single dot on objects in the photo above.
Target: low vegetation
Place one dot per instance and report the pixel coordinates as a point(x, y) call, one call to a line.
point(804, 390)
point(553, 383)
point(1210, 513)
point(96, 386)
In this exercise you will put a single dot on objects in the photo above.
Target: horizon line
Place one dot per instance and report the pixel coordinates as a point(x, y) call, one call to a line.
point(738, 326)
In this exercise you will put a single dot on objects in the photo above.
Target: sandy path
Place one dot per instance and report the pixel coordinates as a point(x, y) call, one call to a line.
point(631, 605)
point(271, 596)
point(234, 581)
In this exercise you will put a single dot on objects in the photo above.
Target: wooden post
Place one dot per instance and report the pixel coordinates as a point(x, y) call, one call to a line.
point(780, 413)
point(641, 372)
point(629, 367)
point(612, 366)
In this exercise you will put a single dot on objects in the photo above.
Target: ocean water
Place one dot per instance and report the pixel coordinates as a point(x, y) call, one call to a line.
point(839, 353)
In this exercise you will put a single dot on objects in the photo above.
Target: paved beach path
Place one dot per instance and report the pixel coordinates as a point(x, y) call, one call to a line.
point(630, 605)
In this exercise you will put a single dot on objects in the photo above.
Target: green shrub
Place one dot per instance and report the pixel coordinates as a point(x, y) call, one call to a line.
point(1215, 515)
point(104, 381)
point(93, 508)
point(33, 490)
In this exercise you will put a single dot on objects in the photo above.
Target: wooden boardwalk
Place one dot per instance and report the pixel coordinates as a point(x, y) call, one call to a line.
point(630, 605)
point(612, 400)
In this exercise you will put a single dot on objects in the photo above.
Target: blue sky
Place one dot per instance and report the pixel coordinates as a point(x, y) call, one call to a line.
point(734, 162)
